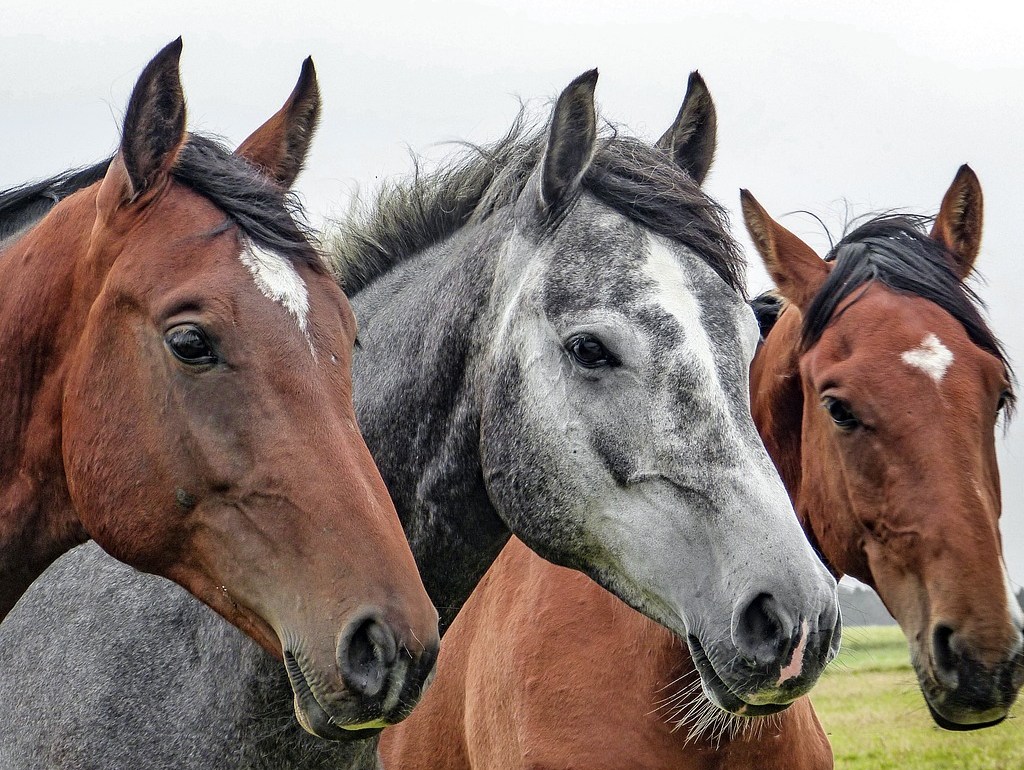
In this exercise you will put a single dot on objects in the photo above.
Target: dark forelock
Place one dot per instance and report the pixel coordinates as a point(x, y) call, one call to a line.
point(270, 216)
point(896, 250)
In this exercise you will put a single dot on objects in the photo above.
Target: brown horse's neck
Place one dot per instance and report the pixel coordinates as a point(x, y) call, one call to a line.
point(777, 404)
point(39, 314)
point(776, 397)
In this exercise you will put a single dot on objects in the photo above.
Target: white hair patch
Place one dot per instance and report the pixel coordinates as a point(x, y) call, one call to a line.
point(674, 294)
point(931, 357)
point(277, 279)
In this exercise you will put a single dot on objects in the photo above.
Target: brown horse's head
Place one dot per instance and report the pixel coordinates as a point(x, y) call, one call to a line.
point(878, 392)
point(208, 428)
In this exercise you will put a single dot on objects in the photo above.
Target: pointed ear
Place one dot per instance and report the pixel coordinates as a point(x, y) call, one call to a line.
point(571, 141)
point(958, 225)
point(794, 267)
point(279, 147)
point(154, 129)
point(691, 139)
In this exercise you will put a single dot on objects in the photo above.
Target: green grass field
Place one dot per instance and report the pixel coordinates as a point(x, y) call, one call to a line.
point(875, 716)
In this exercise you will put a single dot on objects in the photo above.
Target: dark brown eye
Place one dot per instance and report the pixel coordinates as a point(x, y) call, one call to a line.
point(840, 413)
point(1005, 399)
point(588, 352)
point(190, 345)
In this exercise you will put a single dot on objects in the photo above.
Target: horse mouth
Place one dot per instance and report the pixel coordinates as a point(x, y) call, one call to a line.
point(719, 693)
point(961, 692)
point(935, 697)
point(313, 717)
point(960, 727)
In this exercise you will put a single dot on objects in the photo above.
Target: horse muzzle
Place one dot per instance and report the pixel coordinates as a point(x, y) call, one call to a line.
point(772, 660)
point(961, 692)
point(381, 680)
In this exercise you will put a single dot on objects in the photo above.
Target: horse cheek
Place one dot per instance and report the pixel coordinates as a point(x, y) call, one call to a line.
point(109, 453)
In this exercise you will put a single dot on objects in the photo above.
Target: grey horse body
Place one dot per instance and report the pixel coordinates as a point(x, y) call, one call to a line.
point(482, 424)
point(96, 690)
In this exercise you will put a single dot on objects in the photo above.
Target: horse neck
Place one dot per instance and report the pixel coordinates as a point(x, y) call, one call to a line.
point(777, 405)
point(41, 311)
point(776, 397)
point(415, 378)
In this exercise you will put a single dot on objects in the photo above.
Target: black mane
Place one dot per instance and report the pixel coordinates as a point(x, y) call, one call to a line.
point(895, 250)
point(634, 178)
point(270, 217)
point(24, 205)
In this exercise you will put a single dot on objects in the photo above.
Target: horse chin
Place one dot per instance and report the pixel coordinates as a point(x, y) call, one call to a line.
point(314, 719)
point(316, 722)
point(953, 719)
point(963, 709)
point(947, 724)
point(720, 694)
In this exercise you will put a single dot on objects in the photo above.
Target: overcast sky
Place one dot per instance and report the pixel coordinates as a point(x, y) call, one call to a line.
point(828, 107)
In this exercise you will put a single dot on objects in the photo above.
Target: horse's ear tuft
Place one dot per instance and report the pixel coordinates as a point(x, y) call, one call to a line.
point(691, 139)
point(279, 147)
point(767, 308)
point(959, 222)
point(571, 141)
point(794, 267)
point(154, 123)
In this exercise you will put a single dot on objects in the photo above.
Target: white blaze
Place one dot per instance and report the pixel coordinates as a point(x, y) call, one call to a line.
point(676, 297)
point(931, 357)
point(277, 279)
point(796, 663)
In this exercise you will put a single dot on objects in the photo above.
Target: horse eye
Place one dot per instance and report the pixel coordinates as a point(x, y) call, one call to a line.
point(840, 413)
point(190, 345)
point(1004, 400)
point(588, 352)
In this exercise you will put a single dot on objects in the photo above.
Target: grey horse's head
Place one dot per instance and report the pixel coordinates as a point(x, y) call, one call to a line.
point(615, 419)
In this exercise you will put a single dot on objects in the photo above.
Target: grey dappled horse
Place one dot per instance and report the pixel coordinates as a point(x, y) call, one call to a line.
point(554, 343)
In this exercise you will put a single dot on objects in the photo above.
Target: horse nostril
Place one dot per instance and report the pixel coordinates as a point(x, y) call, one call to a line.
point(943, 656)
point(832, 620)
point(366, 654)
point(759, 619)
point(763, 634)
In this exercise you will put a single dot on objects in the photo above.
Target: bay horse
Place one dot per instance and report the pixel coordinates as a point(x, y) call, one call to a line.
point(877, 393)
point(176, 385)
point(554, 344)
point(892, 385)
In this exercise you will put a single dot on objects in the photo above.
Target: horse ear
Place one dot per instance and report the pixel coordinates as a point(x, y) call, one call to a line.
point(794, 267)
point(958, 225)
point(571, 141)
point(154, 128)
point(279, 147)
point(691, 139)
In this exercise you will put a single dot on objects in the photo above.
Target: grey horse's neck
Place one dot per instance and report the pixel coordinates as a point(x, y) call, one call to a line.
point(421, 325)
